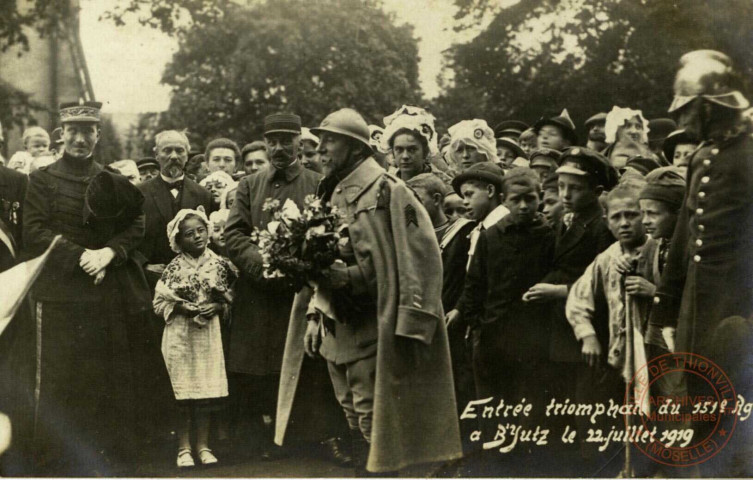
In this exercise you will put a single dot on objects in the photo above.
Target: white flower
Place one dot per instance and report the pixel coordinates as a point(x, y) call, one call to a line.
point(316, 231)
point(316, 204)
point(290, 212)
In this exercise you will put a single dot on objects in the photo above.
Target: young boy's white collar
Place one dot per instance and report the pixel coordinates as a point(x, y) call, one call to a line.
point(494, 216)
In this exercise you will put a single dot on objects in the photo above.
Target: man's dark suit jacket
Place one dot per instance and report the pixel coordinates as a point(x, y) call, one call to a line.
point(159, 210)
point(575, 249)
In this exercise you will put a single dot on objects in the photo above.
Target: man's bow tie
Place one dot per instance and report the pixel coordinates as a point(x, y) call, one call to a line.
point(177, 185)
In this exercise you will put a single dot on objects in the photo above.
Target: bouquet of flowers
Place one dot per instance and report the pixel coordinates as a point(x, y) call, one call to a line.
point(298, 245)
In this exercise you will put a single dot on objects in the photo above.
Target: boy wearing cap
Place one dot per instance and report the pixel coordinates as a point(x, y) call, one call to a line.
point(148, 168)
point(480, 187)
point(677, 148)
point(660, 202)
point(544, 161)
point(508, 151)
point(580, 236)
point(608, 307)
point(556, 132)
point(511, 336)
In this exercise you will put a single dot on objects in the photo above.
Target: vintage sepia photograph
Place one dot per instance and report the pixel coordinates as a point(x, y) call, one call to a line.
point(376, 238)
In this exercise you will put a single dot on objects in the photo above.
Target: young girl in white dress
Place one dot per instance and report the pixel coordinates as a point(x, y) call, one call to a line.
point(192, 295)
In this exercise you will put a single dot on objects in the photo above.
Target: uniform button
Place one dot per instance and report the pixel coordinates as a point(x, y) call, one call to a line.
point(699, 242)
point(699, 211)
point(696, 258)
point(277, 185)
point(706, 162)
point(701, 228)
point(701, 194)
point(705, 179)
point(657, 300)
point(714, 151)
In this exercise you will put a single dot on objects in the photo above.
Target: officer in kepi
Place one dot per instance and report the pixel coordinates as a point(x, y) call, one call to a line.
point(85, 297)
point(704, 303)
point(384, 335)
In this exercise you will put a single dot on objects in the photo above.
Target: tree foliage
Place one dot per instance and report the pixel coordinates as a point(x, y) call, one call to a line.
point(108, 147)
point(539, 56)
point(290, 55)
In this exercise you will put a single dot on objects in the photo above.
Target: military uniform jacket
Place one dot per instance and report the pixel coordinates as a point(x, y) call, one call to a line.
point(261, 309)
point(575, 249)
point(709, 271)
point(398, 264)
point(55, 205)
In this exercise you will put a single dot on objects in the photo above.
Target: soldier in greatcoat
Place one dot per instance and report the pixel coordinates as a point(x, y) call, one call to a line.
point(387, 348)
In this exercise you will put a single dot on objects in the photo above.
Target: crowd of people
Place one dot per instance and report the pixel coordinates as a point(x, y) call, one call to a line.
point(521, 262)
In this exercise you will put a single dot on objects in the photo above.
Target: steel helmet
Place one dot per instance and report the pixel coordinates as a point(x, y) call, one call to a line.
point(345, 121)
point(708, 74)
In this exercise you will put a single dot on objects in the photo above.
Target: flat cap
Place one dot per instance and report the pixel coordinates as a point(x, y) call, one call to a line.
point(484, 171)
point(546, 153)
point(643, 164)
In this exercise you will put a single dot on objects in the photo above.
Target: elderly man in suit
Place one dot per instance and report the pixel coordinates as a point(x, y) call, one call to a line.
point(164, 196)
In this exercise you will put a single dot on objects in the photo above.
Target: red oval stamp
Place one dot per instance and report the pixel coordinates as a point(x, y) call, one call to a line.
point(683, 409)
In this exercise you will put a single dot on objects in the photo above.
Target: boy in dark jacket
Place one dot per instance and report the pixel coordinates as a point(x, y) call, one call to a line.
point(511, 335)
point(580, 235)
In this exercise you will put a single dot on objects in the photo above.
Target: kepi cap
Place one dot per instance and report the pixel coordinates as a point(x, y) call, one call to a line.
point(83, 112)
point(282, 123)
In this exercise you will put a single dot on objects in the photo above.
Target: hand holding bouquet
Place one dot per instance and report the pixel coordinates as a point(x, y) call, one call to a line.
point(299, 245)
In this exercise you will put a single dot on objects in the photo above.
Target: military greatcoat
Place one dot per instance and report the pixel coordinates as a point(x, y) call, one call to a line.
point(709, 272)
point(398, 265)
